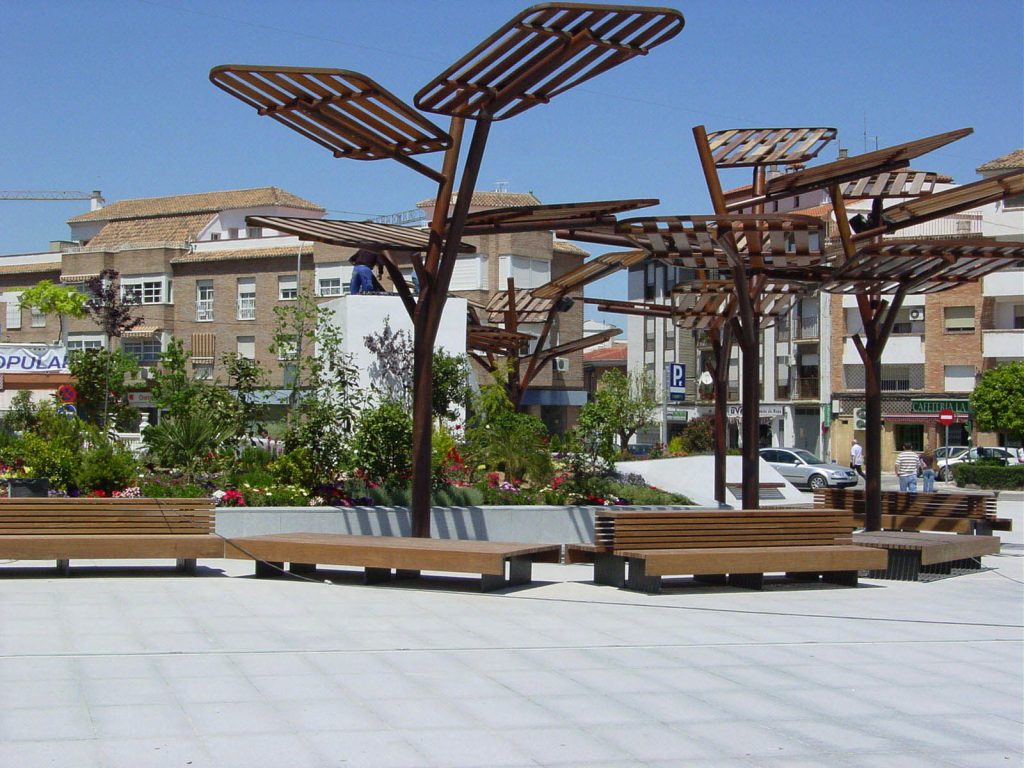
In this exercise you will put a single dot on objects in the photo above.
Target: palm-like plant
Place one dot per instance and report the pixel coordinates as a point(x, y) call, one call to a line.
point(186, 441)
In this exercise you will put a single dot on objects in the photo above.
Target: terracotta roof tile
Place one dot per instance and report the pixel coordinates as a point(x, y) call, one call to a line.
point(490, 200)
point(1009, 162)
point(203, 202)
point(160, 229)
point(22, 269)
point(617, 352)
point(563, 246)
point(240, 253)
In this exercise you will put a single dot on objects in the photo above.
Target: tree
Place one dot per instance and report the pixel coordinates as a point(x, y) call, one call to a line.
point(623, 404)
point(247, 378)
point(100, 380)
point(998, 400)
point(51, 299)
point(108, 308)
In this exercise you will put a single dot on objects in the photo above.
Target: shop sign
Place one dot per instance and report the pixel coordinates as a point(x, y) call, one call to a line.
point(677, 414)
point(764, 411)
point(140, 398)
point(25, 358)
point(935, 406)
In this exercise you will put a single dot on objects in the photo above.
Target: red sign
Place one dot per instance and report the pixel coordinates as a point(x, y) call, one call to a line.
point(946, 417)
point(66, 393)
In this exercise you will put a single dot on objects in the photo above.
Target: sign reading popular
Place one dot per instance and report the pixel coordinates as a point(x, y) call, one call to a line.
point(33, 358)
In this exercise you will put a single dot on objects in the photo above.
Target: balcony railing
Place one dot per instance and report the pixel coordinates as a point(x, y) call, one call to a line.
point(807, 388)
point(806, 328)
point(204, 310)
point(782, 391)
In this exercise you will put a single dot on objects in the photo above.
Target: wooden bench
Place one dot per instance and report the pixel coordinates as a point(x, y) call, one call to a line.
point(901, 511)
point(500, 564)
point(736, 547)
point(64, 529)
point(913, 554)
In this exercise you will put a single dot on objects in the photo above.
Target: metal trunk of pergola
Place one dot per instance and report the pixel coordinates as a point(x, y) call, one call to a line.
point(880, 273)
point(542, 52)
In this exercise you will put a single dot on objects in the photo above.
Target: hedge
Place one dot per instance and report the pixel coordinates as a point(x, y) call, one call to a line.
point(993, 477)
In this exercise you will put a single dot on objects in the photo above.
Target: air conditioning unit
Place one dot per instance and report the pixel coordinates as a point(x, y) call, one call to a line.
point(561, 364)
point(917, 314)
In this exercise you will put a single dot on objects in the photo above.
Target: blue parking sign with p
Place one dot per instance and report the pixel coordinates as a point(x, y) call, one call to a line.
point(676, 382)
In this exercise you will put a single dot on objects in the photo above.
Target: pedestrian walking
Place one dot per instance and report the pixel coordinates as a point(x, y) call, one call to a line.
point(907, 462)
point(928, 471)
point(857, 458)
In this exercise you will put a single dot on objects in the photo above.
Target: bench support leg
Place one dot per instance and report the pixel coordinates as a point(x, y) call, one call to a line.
point(803, 575)
point(491, 581)
point(610, 570)
point(64, 567)
point(268, 570)
point(186, 565)
point(904, 565)
point(376, 575)
point(404, 573)
point(746, 580)
point(843, 578)
point(520, 570)
point(638, 579)
point(302, 568)
point(715, 579)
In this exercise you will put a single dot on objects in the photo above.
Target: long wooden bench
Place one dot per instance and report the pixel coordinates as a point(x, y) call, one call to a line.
point(382, 558)
point(737, 547)
point(913, 555)
point(902, 511)
point(65, 529)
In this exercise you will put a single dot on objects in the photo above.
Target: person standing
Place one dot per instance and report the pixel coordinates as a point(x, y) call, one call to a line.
point(907, 462)
point(857, 458)
point(928, 471)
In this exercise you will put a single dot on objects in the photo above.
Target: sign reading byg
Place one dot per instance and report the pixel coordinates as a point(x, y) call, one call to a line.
point(675, 376)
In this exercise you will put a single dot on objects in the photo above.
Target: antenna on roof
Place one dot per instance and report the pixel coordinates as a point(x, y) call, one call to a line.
point(501, 185)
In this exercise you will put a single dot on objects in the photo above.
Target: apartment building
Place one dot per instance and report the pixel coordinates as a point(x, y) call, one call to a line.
point(204, 276)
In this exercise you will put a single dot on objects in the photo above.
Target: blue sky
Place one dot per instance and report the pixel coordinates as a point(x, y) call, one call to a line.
point(114, 95)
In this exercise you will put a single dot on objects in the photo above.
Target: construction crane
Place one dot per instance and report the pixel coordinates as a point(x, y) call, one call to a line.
point(95, 197)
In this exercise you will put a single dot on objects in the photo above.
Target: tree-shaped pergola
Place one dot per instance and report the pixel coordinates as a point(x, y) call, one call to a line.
point(542, 52)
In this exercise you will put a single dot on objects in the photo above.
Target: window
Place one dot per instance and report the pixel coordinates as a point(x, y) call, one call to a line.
point(470, 274)
point(909, 320)
point(202, 371)
point(13, 314)
point(38, 318)
point(83, 341)
point(233, 233)
point(287, 287)
point(648, 334)
point(1013, 203)
point(215, 235)
point(146, 290)
point(959, 319)
point(333, 279)
point(288, 349)
point(245, 346)
point(900, 378)
point(204, 301)
point(534, 329)
point(959, 378)
point(254, 232)
point(247, 298)
point(143, 350)
point(526, 272)
point(1018, 316)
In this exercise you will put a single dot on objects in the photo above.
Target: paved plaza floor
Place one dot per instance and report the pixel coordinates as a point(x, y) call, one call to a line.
point(143, 667)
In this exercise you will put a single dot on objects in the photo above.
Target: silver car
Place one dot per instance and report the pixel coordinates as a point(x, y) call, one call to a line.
point(803, 468)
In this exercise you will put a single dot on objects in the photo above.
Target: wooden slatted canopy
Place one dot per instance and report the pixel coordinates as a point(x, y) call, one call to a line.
point(947, 202)
point(345, 112)
point(542, 52)
point(548, 217)
point(717, 298)
point(595, 269)
point(494, 340)
point(737, 147)
point(763, 240)
point(528, 308)
point(901, 183)
point(922, 266)
point(351, 234)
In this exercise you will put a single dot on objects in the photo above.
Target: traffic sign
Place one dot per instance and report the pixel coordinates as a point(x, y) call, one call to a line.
point(946, 417)
point(66, 393)
point(675, 374)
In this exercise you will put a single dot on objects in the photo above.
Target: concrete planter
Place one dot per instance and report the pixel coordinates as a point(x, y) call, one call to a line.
point(540, 524)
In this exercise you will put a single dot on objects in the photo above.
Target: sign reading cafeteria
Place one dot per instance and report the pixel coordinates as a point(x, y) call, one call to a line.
point(33, 358)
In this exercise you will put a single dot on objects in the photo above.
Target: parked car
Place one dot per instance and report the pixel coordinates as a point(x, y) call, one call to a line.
point(944, 466)
point(949, 451)
point(803, 468)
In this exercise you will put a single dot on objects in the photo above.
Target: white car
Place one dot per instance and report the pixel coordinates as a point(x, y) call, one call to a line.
point(944, 466)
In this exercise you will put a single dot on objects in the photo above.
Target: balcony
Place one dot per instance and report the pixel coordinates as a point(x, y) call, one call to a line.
point(900, 350)
point(1002, 343)
point(1006, 283)
point(806, 329)
point(783, 391)
point(807, 388)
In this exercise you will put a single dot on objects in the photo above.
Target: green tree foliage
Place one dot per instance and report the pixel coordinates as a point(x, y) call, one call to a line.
point(382, 444)
point(698, 436)
point(51, 446)
point(247, 378)
point(102, 392)
point(502, 439)
point(451, 390)
point(173, 389)
point(51, 299)
point(622, 406)
point(187, 441)
point(108, 467)
point(998, 400)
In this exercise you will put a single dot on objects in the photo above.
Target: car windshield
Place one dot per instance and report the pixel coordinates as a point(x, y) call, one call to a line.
point(949, 450)
point(808, 457)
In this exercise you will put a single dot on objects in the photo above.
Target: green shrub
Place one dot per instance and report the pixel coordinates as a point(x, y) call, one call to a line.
point(465, 496)
point(400, 497)
point(698, 436)
point(256, 478)
point(254, 457)
point(382, 444)
point(985, 475)
point(170, 488)
point(56, 460)
point(107, 467)
point(441, 498)
point(296, 467)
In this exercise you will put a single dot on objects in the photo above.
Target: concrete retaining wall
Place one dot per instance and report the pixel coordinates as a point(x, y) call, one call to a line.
point(543, 525)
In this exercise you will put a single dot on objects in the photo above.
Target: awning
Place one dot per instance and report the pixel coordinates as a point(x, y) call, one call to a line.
point(920, 418)
point(555, 397)
point(141, 332)
point(78, 278)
